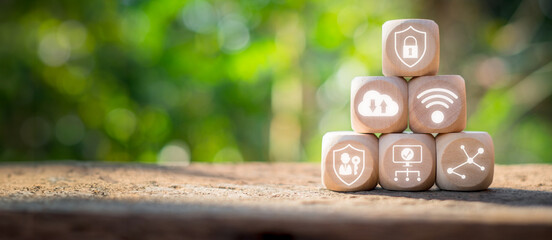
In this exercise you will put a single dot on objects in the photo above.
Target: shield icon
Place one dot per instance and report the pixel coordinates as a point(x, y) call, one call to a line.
point(349, 164)
point(410, 46)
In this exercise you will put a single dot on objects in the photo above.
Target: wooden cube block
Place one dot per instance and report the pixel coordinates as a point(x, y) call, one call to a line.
point(349, 161)
point(379, 104)
point(465, 161)
point(406, 161)
point(410, 47)
point(437, 104)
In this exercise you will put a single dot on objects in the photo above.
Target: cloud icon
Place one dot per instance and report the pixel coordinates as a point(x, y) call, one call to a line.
point(375, 104)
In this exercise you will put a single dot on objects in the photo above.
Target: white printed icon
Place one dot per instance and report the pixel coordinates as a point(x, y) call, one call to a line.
point(407, 155)
point(345, 168)
point(439, 97)
point(469, 160)
point(406, 42)
point(410, 50)
point(348, 164)
point(375, 104)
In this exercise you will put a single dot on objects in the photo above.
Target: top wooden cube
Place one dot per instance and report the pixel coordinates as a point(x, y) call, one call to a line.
point(410, 48)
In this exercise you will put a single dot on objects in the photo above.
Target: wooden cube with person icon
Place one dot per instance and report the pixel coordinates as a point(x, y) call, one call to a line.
point(349, 161)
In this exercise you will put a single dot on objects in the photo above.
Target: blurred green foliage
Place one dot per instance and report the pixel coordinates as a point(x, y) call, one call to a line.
point(254, 80)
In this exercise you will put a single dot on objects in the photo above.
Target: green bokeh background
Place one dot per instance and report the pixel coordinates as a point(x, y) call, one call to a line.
point(255, 80)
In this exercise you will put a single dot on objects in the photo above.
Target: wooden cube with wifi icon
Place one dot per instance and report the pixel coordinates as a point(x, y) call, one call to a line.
point(437, 104)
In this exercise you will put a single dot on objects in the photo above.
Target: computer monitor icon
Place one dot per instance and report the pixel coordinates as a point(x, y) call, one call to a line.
point(407, 154)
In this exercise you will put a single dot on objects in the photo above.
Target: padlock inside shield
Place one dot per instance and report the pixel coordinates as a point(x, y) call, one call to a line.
point(410, 50)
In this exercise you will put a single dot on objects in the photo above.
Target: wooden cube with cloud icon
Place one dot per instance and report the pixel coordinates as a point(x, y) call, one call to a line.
point(379, 104)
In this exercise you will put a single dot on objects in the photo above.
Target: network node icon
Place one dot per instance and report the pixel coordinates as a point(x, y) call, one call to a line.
point(469, 160)
point(407, 172)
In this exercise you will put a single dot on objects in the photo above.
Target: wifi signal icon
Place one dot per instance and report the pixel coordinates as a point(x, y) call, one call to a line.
point(437, 96)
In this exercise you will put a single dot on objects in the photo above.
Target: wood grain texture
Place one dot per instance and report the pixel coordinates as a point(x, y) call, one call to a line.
point(398, 35)
point(407, 161)
point(434, 110)
point(75, 200)
point(465, 161)
point(364, 147)
point(369, 114)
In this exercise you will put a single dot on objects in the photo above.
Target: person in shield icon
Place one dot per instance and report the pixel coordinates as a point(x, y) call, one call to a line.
point(345, 168)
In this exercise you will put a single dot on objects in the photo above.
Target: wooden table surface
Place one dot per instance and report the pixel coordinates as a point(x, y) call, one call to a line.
point(68, 200)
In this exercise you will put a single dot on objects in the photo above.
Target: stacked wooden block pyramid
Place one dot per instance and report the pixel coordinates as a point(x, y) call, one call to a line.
point(429, 103)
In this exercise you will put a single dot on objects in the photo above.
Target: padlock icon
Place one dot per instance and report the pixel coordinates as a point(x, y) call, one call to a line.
point(410, 50)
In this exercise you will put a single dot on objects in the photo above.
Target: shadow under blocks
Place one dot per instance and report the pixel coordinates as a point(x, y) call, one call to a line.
point(437, 152)
point(502, 196)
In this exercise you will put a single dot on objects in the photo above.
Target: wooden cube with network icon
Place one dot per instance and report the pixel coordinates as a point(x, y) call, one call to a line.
point(406, 161)
point(379, 104)
point(349, 161)
point(410, 47)
point(437, 104)
point(465, 161)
